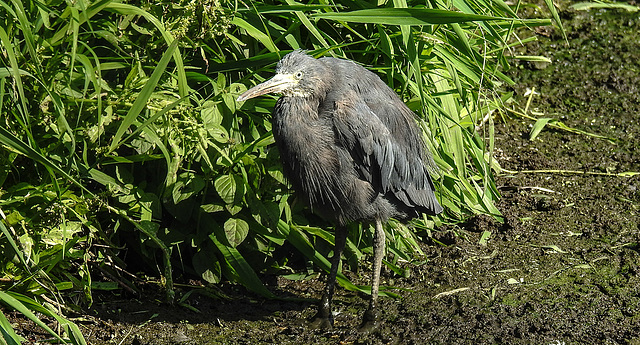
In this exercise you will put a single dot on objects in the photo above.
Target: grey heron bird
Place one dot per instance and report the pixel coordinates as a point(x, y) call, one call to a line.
point(353, 150)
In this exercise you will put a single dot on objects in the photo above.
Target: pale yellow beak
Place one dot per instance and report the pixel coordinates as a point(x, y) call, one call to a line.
point(276, 84)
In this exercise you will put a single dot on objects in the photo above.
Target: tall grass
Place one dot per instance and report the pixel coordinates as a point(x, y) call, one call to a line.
point(123, 148)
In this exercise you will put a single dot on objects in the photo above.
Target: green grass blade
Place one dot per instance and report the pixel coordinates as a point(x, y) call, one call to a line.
point(273, 9)
point(75, 335)
point(312, 28)
point(585, 6)
point(11, 141)
point(556, 17)
point(63, 32)
point(127, 9)
point(21, 308)
point(143, 97)
point(15, 73)
point(450, 128)
point(244, 271)
point(404, 16)
point(8, 334)
point(256, 34)
point(71, 329)
point(538, 127)
point(30, 39)
point(155, 116)
point(13, 244)
point(298, 240)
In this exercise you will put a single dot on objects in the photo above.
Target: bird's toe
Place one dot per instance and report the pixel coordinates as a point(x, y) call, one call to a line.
point(323, 319)
point(319, 322)
point(369, 322)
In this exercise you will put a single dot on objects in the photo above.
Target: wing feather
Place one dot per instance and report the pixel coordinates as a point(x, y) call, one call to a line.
point(387, 162)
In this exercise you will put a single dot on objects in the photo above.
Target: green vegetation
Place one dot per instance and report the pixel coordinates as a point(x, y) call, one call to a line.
point(124, 150)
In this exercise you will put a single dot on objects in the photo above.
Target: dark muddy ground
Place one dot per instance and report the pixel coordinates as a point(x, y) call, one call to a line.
point(564, 268)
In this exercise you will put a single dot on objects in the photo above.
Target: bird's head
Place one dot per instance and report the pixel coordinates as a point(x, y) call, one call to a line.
point(297, 75)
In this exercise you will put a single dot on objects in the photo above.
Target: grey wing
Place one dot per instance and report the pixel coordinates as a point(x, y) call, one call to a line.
point(383, 157)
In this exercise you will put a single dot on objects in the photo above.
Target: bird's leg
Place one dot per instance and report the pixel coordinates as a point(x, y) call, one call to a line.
point(370, 317)
point(324, 318)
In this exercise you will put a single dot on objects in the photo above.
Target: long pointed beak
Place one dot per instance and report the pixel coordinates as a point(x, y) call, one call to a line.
point(274, 85)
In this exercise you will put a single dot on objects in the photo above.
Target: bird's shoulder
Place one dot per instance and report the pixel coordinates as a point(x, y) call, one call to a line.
point(353, 82)
point(348, 74)
point(350, 114)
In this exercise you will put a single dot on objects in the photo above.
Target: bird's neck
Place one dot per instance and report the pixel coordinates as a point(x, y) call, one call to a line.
point(298, 110)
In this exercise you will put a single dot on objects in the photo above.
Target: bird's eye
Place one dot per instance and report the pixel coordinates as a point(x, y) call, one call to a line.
point(298, 75)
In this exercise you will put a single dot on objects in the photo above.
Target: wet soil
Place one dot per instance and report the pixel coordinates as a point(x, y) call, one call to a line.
point(563, 268)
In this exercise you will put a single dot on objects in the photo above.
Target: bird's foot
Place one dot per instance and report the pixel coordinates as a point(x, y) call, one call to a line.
point(322, 320)
point(320, 323)
point(369, 322)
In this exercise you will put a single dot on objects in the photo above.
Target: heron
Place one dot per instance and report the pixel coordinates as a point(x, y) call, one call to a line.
point(354, 152)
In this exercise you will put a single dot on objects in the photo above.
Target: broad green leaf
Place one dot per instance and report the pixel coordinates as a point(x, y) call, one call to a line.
point(236, 230)
point(211, 115)
point(206, 265)
point(186, 186)
point(60, 234)
point(229, 101)
point(230, 188)
point(211, 208)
